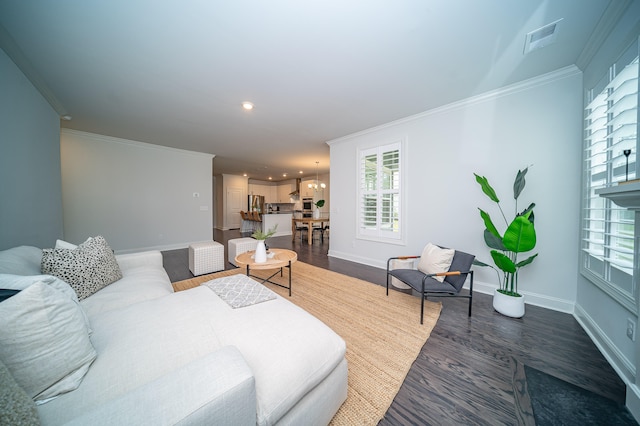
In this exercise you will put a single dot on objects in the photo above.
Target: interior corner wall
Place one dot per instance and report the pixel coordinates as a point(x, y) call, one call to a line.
point(30, 192)
point(536, 123)
point(137, 195)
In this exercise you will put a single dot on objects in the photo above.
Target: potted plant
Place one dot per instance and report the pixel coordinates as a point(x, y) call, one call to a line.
point(316, 212)
point(519, 237)
point(261, 250)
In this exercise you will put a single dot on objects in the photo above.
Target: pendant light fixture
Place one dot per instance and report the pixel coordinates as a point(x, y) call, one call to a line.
point(317, 182)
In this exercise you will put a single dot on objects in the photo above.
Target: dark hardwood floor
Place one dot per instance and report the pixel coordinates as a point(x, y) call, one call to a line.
point(465, 372)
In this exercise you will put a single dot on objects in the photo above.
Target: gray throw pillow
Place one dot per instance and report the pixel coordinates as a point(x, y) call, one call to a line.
point(88, 268)
point(44, 341)
point(16, 407)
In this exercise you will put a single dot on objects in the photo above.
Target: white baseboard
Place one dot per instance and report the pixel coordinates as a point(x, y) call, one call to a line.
point(364, 260)
point(633, 401)
point(530, 298)
point(625, 369)
point(623, 366)
point(155, 248)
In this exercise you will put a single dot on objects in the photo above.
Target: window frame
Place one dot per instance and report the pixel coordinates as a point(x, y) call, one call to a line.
point(378, 234)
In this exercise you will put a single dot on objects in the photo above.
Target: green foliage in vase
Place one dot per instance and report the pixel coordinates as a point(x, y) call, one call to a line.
point(519, 237)
point(319, 203)
point(259, 235)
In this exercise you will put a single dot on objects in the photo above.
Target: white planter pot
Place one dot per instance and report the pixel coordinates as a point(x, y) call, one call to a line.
point(508, 305)
point(316, 213)
point(261, 252)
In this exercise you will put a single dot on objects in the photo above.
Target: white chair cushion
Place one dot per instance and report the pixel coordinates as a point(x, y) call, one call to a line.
point(435, 260)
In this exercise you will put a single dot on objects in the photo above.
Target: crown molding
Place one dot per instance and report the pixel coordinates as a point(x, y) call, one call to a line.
point(493, 94)
point(612, 14)
point(110, 139)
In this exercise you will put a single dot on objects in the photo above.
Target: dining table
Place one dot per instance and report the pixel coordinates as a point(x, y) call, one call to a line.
point(308, 222)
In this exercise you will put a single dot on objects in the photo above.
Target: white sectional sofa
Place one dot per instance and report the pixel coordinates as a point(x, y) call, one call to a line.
point(188, 358)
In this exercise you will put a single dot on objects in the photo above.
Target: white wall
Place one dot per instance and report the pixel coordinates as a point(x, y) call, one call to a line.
point(30, 188)
point(138, 196)
point(537, 122)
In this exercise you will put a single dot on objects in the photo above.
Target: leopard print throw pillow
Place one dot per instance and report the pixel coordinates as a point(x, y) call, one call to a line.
point(87, 269)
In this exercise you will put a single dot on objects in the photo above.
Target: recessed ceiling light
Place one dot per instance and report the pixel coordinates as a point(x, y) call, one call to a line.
point(244, 174)
point(66, 117)
point(247, 105)
point(284, 175)
point(270, 178)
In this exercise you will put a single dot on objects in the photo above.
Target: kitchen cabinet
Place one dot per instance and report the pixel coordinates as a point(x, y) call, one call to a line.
point(271, 195)
point(264, 190)
point(283, 193)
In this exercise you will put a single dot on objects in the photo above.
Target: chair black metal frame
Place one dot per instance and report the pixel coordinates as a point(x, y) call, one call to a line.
point(426, 285)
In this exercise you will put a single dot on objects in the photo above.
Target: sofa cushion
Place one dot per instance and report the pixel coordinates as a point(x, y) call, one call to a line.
point(88, 268)
point(136, 345)
point(289, 351)
point(16, 407)
point(138, 284)
point(216, 389)
point(23, 260)
point(44, 341)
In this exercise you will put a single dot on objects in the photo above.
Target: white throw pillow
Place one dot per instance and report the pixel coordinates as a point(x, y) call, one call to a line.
point(61, 244)
point(435, 260)
point(88, 268)
point(20, 282)
point(44, 341)
point(23, 260)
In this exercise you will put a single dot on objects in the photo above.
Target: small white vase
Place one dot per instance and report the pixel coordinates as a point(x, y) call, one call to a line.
point(261, 252)
point(510, 306)
point(316, 213)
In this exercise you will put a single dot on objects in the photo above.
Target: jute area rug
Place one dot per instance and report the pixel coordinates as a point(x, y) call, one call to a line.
point(383, 334)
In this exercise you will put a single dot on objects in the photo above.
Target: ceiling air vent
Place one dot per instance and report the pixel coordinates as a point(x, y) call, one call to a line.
point(541, 37)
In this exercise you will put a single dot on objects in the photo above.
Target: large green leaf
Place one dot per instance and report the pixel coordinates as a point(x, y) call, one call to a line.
point(520, 236)
point(528, 212)
point(486, 188)
point(503, 262)
point(526, 261)
point(492, 241)
point(519, 183)
point(477, 262)
point(488, 223)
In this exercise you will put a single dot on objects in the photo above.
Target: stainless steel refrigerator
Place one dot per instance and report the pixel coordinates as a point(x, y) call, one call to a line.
point(256, 203)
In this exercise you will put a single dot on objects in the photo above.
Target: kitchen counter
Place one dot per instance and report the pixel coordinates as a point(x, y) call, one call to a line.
point(282, 219)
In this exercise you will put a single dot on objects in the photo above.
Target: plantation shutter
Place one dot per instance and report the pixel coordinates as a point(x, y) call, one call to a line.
point(379, 192)
point(611, 124)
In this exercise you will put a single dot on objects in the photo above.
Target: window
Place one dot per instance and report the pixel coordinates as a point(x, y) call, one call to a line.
point(380, 194)
point(610, 147)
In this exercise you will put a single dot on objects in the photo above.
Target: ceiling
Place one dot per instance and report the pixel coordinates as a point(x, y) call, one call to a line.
point(175, 73)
